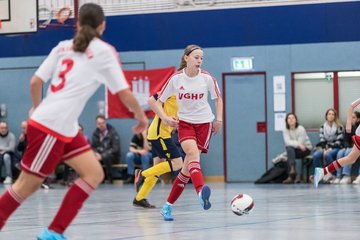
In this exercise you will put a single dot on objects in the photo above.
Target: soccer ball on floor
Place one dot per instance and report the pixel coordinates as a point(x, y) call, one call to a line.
point(242, 204)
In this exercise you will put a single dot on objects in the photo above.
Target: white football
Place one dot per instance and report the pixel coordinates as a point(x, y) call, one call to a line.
point(242, 204)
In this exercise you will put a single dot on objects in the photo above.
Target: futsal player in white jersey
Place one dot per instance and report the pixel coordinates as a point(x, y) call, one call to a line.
point(350, 158)
point(76, 67)
point(191, 86)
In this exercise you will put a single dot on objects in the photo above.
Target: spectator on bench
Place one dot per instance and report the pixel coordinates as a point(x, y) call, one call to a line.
point(331, 136)
point(7, 149)
point(139, 153)
point(297, 144)
point(22, 139)
point(106, 145)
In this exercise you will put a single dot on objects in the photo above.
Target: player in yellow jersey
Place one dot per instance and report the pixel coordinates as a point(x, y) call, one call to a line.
point(166, 155)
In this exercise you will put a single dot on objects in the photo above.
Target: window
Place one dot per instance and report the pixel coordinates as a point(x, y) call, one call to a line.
point(314, 93)
point(313, 96)
point(349, 91)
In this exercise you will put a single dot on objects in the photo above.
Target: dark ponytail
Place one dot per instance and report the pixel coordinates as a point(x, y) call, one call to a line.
point(189, 49)
point(83, 37)
point(90, 17)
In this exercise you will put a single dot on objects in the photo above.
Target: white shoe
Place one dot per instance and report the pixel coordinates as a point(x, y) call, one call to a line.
point(318, 175)
point(45, 186)
point(8, 180)
point(345, 180)
point(357, 180)
point(336, 181)
point(328, 178)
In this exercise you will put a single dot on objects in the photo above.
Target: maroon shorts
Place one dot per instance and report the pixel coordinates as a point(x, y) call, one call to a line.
point(44, 151)
point(201, 133)
point(356, 140)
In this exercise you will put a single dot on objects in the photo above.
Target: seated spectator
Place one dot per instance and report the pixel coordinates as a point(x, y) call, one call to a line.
point(297, 144)
point(106, 145)
point(7, 149)
point(343, 175)
point(22, 144)
point(331, 136)
point(139, 153)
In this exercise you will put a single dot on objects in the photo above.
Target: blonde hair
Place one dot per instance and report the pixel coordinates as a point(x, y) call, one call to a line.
point(189, 49)
point(336, 120)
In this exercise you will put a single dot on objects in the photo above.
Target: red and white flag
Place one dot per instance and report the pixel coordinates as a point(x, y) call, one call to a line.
point(143, 83)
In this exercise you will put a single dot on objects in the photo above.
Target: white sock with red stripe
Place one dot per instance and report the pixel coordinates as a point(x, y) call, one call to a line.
point(9, 202)
point(71, 205)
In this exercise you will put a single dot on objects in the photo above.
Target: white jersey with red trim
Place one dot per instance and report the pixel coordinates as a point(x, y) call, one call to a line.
point(74, 78)
point(355, 104)
point(192, 95)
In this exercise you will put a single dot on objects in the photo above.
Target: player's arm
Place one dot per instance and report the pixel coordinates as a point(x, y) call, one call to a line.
point(110, 71)
point(36, 85)
point(156, 105)
point(42, 74)
point(215, 94)
point(128, 99)
point(219, 115)
point(349, 114)
point(146, 144)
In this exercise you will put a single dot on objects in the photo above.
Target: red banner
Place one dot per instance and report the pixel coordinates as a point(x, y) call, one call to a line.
point(143, 83)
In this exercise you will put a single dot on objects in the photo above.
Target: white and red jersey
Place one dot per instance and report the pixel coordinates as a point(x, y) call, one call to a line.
point(192, 95)
point(355, 104)
point(74, 78)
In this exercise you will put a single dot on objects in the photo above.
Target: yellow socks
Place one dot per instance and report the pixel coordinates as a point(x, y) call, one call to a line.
point(148, 185)
point(157, 170)
point(151, 177)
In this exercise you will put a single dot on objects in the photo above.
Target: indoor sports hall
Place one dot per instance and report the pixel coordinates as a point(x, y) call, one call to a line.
point(269, 58)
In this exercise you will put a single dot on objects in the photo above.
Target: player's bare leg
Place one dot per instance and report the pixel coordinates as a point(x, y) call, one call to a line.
point(349, 159)
point(90, 176)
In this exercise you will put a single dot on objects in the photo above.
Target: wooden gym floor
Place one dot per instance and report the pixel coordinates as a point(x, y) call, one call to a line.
point(280, 212)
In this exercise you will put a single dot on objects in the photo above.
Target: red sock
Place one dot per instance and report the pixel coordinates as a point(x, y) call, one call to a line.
point(332, 167)
point(196, 175)
point(178, 187)
point(70, 206)
point(9, 202)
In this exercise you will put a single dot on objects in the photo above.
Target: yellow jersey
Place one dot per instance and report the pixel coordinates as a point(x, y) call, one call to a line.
point(157, 128)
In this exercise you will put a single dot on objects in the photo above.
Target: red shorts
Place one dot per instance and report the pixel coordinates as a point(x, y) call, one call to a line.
point(201, 133)
point(44, 152)
point(356, 140)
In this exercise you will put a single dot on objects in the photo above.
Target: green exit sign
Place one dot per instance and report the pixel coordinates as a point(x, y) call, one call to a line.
point(242, 63)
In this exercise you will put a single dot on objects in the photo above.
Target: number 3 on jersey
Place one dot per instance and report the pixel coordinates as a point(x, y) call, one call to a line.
point(67, 64)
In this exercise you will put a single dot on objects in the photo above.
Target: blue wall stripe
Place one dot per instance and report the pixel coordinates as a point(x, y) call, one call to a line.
point(332, 22)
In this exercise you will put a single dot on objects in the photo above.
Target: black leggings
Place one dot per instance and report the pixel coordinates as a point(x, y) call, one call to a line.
point(294, 153)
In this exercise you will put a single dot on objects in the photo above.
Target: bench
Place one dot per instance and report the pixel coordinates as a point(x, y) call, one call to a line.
point(123, 165)
point(119, 170)
point(119, 165)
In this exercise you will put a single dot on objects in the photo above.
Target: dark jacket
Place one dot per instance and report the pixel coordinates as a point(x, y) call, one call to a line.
point(22, 146)
point(109, 146)
point(348, 143)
